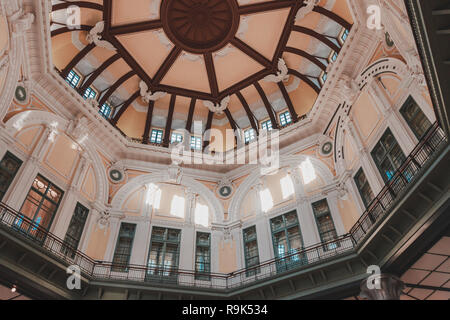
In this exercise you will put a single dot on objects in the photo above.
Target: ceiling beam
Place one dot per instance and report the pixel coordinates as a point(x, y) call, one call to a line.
point(107, 14)
point(290, 21)
point(167, 131)
point(132, 63)
point(191, 114)
point(212, 77)
point(81, 4)
point(318, 36)
point(288, 101)
point(83, 53)
point(97, 73)
point(305, 78)
point(306, 55)
point(250, 115)
point(136, 27)
point(148, 123)
point(207, 141)
point(333, 16)
point(252, 53)
point(167, 64)
point(265, 6)
point(233, 123)
point(124, 107)
point(268, 106)
point(115, 86)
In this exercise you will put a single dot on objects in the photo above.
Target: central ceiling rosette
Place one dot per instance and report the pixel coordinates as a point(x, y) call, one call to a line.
point(200, 26)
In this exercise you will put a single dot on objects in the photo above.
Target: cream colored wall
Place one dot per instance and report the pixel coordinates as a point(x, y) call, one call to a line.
point(349, 212)
point(227, 256)
point(98, 242)
point(367, 117)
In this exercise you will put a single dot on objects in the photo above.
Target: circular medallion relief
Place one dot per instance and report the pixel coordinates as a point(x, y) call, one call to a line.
point(326, 149)
point(116, 175)
point(21, 94)
point(225, 191)
point(199, 26)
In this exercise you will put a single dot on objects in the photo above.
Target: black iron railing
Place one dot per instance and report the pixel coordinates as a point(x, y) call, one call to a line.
point(405, 176)
point(29, 230)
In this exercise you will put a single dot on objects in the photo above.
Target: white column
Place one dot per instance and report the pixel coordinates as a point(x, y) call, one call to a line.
point(335, 214)
point(187, 248)
point(264, 237)
point(353, 190)
point(263, 233)
point(91, 223)
point(308, 224)
point(115, 222)
point(305, 213)
point(369, 167)
point(397, 126)
point(141, 244)
point(62, 220)
point(216, 237)
point(236, 235)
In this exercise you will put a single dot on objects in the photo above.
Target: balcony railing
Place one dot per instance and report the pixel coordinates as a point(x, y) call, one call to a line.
point(405, 176)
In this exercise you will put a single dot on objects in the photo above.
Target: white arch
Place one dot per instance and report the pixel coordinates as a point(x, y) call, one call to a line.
point(293, 161)
point(10, 10)
point(383, 65)
point(35, 117)
point(194, 185)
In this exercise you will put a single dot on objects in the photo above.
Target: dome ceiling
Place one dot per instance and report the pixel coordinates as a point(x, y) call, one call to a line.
point(165, 64)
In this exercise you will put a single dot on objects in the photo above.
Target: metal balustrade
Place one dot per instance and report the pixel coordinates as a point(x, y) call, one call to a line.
point(405, 176)
point(29, 230)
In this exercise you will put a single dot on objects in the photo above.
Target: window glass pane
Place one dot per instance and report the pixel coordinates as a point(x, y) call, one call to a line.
point(164, 254)
point(156, 136)
point(124, 246)
point(325, 224)
point(251, 252)
point(73, 79)
point(75, 229)
point(90, 93)
point(41, 204)
point(287, 240)
point(176, 137)
point(9, 166)
point(267, 125)
point(105, 110)
point(285, 118)
point(249, 135)
point(196, 143)
point(415, 117)
point(203, 256)
point(388, 156)
point(364, 188)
